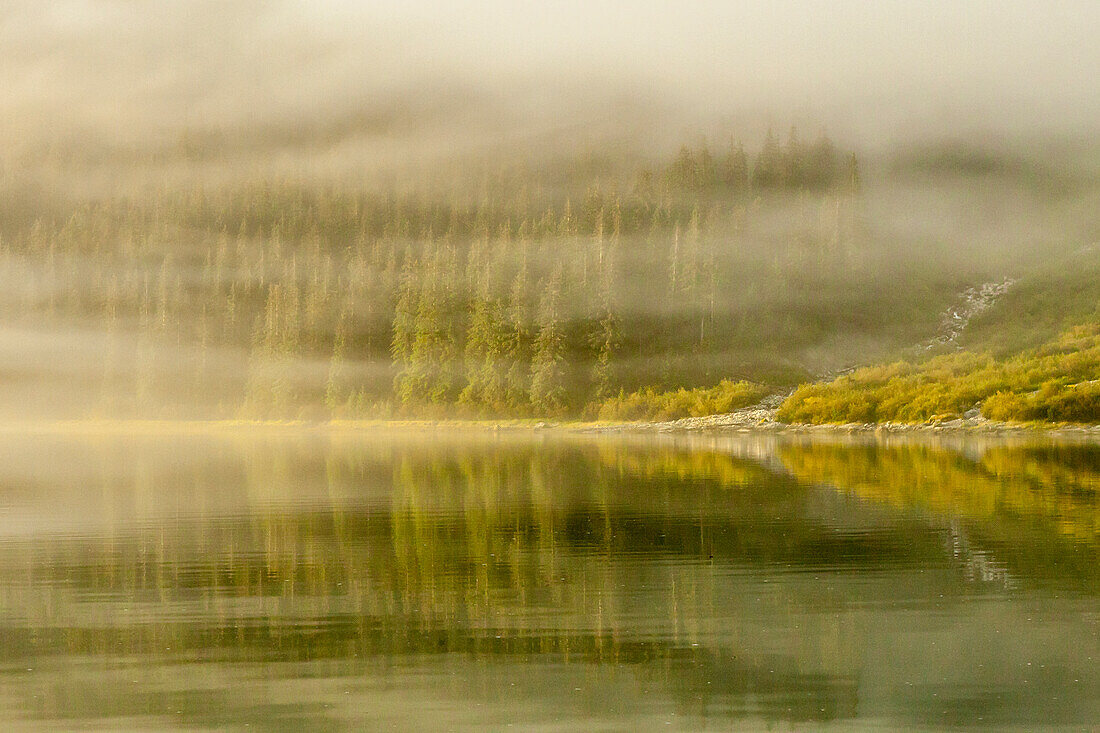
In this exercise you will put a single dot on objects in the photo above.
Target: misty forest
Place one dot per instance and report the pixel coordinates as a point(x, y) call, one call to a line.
point(514, 297)
point(576, 366)
point(598, 284)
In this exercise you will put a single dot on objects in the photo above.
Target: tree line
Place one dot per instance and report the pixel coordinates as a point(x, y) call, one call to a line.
point(280, 299)
point(795, 165)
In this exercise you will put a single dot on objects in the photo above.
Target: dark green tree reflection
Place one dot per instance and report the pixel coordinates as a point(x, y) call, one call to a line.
point(600, 580)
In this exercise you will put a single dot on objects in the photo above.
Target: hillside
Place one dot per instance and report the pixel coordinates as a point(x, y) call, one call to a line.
point(1063, 293)
point(1033, 356)
point(509, 292)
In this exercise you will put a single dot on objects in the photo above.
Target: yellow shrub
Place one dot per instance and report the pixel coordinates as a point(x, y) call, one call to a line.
point(1057, 382)
point(649, 404)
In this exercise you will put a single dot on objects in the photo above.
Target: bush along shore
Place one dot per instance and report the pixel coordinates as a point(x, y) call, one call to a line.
point(1053, 387)
point(1057, 382)
point(762, 418)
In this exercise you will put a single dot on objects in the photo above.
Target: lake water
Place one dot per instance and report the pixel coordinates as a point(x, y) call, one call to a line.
point(431, 581)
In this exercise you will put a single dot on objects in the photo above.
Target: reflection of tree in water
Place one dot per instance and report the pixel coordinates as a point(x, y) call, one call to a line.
point(1036, 509)
point(563, 554)
point(595, 556)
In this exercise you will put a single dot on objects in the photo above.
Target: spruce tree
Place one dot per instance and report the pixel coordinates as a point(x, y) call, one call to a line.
point(821, 164)
point(706, 172)
point(689, 273)
point(269, 387)
point(674, 265)
point(403, 331)
point(548, 391)
point(606, 342)
point(517, 348)
point(486, 353)
point(793, 173)
point(606, 337)
point(768, 172)
point(849, 211)
point(735, 171)
point(433, 361)
point(476, 346)
point(285, 350)
point(681, 174)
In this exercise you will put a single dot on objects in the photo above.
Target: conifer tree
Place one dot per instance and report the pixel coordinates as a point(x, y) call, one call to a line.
point(144, 366)
point(606, 342)
point(794, 163)
point(518, 377)
point(486, 352)
point(821, 164)
point(403, 330)
point(476, 347)
point(282, 334)
point(852, 179)
point(263, 381)
point(433, 362)
point(204, 350)
point(735, 171)
point(428, 331)
point(706, 174)
point(768, 172)
point(607, 334)
point(681, 174)
point(111, 344)
point(848, 213)
point(643, 186)
point(548, 391)
point(598, 236)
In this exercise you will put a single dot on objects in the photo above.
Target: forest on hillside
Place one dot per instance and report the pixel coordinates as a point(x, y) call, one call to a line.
point(279, 298)
point(689, 280)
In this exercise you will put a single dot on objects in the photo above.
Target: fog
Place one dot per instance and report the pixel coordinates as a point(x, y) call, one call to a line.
point(133, 73)
point(244, 192)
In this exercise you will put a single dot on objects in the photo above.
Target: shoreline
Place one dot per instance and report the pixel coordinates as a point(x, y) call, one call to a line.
point(738, 423)
point(957, 426)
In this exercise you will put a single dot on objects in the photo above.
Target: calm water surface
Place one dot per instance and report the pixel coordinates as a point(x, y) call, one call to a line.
point(435, 582)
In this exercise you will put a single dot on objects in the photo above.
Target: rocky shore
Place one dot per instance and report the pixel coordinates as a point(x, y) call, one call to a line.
point(762, 418)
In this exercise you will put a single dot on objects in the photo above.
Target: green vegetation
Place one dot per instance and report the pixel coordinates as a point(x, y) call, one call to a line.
point(1057, 382)
point(1052, 488)
point(795, 167)
point(607, 287)
point(1055, 297)
point(541, 293)
point(651, 404)
point(1028, 358)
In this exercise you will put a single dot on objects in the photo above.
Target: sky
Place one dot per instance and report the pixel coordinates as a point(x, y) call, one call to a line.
point(148, 68)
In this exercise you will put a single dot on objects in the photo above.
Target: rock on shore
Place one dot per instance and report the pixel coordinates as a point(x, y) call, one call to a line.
point(762, 417)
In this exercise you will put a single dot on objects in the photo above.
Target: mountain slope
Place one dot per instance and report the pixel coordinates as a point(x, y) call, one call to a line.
point(1033, 355)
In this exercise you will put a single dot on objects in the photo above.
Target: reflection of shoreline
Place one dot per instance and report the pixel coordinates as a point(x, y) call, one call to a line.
point(678, 566)
point(963, 428)
point(719, 425)
point(1053, 485)
point(725, 576)
point(1016, 483)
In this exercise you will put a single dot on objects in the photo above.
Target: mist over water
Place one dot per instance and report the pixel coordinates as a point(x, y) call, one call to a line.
point(241, 243)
